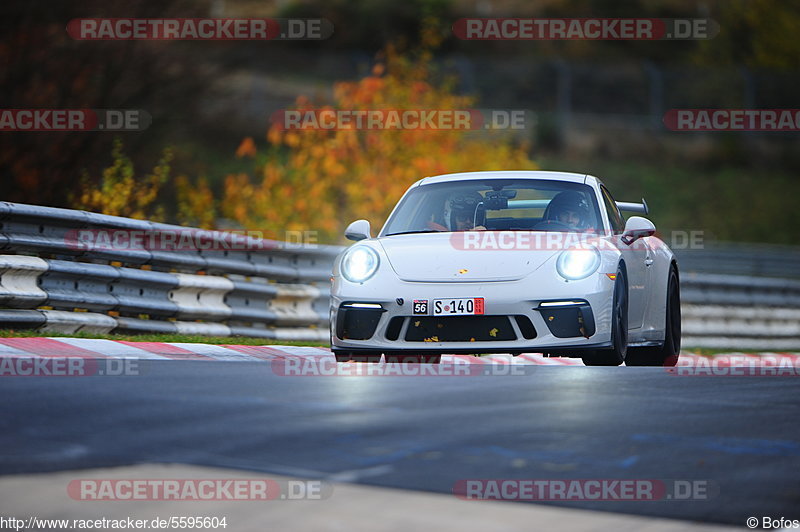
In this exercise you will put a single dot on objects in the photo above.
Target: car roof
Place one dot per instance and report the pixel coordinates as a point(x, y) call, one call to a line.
point(506, 174)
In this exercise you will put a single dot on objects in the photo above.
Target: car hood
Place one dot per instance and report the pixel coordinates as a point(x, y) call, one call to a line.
point(442, 257)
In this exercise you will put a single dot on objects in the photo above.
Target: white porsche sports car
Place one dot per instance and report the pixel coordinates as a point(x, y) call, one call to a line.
point(507, 262)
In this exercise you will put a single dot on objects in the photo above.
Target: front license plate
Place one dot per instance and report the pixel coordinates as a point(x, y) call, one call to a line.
point(458, 307)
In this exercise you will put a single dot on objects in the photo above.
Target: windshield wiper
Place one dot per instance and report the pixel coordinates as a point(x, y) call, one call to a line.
point(415, 232)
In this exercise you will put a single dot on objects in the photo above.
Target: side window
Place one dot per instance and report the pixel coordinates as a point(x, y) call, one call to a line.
point(616, 219)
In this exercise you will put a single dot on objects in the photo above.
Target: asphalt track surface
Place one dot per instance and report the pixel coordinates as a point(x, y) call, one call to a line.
point(740, 434)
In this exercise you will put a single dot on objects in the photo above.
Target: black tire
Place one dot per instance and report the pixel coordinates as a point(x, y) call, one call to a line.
point(667, 353)
point(619, 329)
point(413, 359)
point(372, 357)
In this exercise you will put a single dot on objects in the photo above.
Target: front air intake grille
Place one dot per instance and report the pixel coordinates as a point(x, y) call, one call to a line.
point(393, 329)
point(357, 323)
point(526, 327)
point(459, 329)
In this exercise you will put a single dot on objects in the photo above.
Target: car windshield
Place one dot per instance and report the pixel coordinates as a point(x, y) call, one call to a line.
point(494, 205)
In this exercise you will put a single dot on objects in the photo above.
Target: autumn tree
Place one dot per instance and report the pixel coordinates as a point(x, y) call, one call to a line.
point(322, 179)
point(119, 192)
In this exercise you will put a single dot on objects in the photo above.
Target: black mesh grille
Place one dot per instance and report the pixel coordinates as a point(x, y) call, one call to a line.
point(459, 329)
point(526, 327)
point(393, 329)
point(357, 324)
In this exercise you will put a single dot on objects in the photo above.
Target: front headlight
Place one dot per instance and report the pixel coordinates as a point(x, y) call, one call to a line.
point(576, 264)
point(359, 264)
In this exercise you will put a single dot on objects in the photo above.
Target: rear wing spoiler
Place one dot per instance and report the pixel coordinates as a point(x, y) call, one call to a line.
point(633, 207)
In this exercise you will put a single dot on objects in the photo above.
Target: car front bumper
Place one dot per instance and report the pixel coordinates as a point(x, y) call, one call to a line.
point(519, 316)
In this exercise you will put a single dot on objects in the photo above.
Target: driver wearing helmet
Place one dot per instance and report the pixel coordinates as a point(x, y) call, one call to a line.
point(568, 209)
point(459, 213)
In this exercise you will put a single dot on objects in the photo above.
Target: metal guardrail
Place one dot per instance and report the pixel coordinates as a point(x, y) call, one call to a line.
point(739, 290)
point(755, 260)
point(55, 277)
point(740, 312)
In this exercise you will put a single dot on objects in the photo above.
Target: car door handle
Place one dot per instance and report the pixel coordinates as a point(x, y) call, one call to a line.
point(648, 262)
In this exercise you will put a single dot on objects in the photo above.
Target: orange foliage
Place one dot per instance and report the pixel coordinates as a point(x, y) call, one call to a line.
point(120, 193)
point(196, 205)
point(247, 148)
point(323, 179)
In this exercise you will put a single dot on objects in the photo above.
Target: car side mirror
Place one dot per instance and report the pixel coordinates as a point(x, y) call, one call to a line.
point(637, 227)
point(358, 230)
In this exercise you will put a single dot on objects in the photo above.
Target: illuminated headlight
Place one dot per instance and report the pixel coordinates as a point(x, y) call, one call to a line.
point(578, 263)
point(359, 264)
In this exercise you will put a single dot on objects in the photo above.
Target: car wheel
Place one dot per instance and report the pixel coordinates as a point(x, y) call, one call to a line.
point(414, 359)
point(666, 354)
point(619, 329)
point(358, 356)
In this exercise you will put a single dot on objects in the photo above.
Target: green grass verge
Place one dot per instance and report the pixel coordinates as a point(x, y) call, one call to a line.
point(178, 338)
